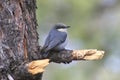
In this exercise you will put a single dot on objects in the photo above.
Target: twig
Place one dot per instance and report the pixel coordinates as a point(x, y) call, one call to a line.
point(65, 56)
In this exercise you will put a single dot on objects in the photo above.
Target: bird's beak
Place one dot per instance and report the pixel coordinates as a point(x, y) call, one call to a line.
point(67, 26)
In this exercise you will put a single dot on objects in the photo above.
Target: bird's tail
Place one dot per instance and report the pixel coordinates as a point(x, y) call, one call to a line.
point(44, 53)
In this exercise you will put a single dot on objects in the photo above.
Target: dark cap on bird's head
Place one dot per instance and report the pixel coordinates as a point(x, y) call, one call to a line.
point(60, 26)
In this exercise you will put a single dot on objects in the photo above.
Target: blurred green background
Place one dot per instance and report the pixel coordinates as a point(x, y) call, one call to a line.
point(95, 24)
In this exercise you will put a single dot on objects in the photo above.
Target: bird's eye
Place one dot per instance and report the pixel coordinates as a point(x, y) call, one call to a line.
point(60, 27)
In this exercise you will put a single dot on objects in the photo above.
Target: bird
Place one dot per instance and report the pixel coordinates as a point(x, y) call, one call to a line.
point(56, 39)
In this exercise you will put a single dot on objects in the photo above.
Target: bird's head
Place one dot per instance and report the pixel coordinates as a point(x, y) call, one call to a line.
point(61, 27)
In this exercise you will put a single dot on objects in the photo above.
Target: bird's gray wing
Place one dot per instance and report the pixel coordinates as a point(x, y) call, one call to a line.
point(47, 41)
point(54, 41)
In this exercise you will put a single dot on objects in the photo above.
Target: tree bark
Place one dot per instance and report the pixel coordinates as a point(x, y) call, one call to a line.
point(20, 57)
point(18, 38)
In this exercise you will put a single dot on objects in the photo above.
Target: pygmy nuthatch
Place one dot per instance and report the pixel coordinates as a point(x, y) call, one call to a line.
point(56, 39)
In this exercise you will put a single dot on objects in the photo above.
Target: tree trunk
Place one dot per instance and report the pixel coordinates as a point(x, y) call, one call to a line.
point(18, 38)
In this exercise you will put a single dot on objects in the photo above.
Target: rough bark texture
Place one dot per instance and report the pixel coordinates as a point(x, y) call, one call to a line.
point(20, 57)
point(18, 38)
